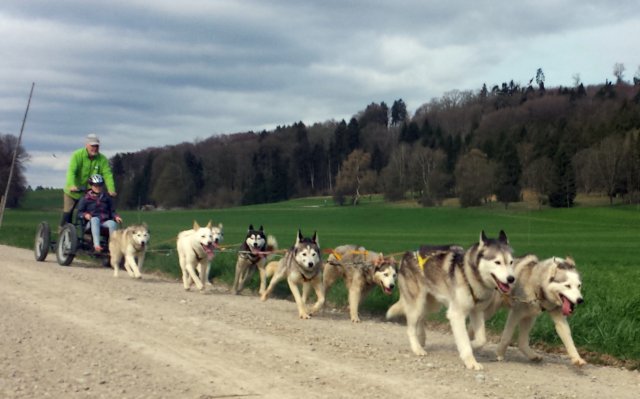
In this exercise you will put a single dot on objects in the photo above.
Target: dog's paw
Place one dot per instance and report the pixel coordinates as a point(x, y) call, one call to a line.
point(355, 320)
point(579, 362)
point(473, 365)
point(499, 358)
point(305, 316)
point(535, 358)
point(263, 297)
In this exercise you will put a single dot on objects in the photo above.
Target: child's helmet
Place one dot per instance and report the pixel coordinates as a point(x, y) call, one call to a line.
point(96, 179)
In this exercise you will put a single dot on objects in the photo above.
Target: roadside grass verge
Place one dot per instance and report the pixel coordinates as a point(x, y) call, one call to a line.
point(603, 240)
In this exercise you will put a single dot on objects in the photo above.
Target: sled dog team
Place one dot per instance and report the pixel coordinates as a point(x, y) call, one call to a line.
point(472, 284)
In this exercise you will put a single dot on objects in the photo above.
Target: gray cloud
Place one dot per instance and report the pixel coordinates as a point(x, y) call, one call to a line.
point(144, 73)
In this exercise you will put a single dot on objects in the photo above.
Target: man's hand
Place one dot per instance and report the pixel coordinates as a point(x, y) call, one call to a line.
point(118, 219)
point(74, 189)
point(113, 194)
point(87, 216)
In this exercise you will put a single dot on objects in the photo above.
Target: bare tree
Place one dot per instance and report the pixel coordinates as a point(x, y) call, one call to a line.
point(609, 159)
point(427, 169)
point(355, 177)
point(536, 177)
point(618, 71)
point(474, 178)
point(395, 174)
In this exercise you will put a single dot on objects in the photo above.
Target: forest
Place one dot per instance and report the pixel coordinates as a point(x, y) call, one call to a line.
point(488, 144)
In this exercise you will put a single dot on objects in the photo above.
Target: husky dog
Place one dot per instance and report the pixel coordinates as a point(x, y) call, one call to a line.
point(195, 253)
point(300, 265)
point(464, 282)
point(361, 270)
point(552, 285)
point(252, 255)
point(130, 244)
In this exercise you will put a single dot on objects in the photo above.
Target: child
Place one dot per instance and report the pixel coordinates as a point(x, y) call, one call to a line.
point(96, 207)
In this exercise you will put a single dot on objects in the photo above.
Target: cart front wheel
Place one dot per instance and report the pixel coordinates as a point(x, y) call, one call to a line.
point(67, 245)
point(42, 242)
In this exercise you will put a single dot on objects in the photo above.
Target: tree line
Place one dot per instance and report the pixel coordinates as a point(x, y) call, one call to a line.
point(473, 145)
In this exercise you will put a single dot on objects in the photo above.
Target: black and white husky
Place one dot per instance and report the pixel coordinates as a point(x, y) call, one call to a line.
point(301, 265)
point(252, 255)
point(464, 282)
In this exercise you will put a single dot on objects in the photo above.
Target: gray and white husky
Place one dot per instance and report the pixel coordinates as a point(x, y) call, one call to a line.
point(464, 282)
point(551, 285)
point(301, 265)
point(361, 270)
point(252, 255)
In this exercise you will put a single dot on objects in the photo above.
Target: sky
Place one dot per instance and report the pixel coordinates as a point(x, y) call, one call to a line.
point(153, 73)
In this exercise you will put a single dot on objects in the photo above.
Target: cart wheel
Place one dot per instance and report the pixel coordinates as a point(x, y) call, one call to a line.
point(42, 242)
point(67, 245)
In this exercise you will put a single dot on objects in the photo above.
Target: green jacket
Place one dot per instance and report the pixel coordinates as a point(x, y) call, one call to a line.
point(81, 168)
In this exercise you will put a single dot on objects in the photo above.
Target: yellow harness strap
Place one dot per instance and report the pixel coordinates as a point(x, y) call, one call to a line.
point(336, 255)
point(421, 260)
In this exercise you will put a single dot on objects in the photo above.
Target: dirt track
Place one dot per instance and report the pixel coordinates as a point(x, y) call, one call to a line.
point(77, 332)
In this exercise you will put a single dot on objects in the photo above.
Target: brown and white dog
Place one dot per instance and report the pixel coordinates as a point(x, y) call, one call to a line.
point(301, 265)
point(130, 244)
point(361, 270)
point(551, 285)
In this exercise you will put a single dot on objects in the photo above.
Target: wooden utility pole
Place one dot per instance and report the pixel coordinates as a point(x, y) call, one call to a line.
point(15, 155)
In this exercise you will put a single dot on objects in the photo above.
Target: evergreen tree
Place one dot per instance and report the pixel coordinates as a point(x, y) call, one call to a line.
point(563, 180)
point(409, 133)
point(398, 112)
point(508, 175)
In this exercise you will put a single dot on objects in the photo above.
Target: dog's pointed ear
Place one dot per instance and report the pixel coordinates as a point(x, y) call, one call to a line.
point(196, 226)
point(250, 227)
point(209, 224)
point(503, 237)
point(553, 270)
point(570, 261)
point(220, 226)
point(315, 238)
point(261, 228)
point(483, 239)
point(299, 237)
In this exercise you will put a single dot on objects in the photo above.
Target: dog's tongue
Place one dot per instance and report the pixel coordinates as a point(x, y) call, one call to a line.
point(566, 306)
point(209, 250)
point(503, 287)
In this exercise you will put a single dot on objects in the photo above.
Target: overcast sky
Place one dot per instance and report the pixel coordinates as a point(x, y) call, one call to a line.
point(151, 73)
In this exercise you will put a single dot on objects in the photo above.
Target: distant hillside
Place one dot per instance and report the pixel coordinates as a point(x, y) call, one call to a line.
point(475, 145)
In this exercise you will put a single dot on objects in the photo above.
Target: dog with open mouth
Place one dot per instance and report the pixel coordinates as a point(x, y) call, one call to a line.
point(196, 251)
point(552, 285)
point(465, 282)
point(361, 270)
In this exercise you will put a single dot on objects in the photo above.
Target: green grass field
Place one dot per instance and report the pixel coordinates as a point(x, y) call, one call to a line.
point(603, 240)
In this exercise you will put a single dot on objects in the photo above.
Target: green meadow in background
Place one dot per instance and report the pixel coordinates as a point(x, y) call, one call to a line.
point(604, 241)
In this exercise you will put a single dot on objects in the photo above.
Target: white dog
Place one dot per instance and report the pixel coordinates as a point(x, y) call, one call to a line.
point(196, 251)
point(130, 244)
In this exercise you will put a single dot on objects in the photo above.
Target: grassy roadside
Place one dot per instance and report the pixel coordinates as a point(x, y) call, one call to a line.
point(602, 239)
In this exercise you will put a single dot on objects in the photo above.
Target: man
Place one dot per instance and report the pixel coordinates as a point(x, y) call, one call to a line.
point(85, 162)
